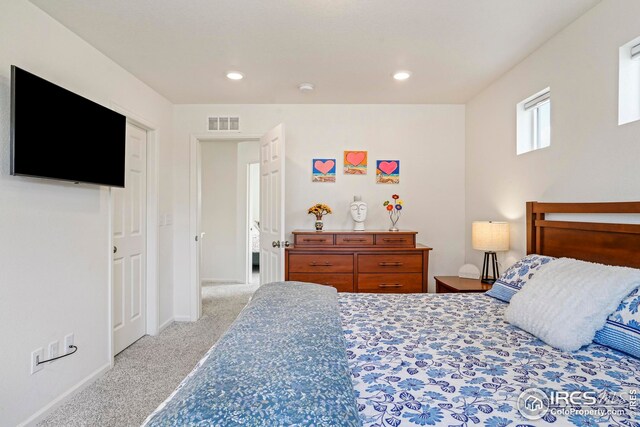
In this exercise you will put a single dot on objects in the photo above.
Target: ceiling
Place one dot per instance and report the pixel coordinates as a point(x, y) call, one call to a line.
point(347, 48)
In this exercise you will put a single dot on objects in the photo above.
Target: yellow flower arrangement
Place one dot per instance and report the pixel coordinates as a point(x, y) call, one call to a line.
point(319, 210)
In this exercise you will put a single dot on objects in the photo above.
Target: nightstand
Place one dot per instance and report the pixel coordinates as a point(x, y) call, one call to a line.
point(455, 284)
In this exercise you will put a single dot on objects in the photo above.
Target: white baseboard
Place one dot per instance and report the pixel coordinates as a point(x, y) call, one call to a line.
point(164, 325)
point(53, 405)
point(221, 281)
point(181, 319)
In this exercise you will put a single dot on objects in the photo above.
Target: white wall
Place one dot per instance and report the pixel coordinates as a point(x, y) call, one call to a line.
point(219, 184)
point(54, 252)
point(254, 191)
point(427, 139)
point(591, 158)
point(248, 153)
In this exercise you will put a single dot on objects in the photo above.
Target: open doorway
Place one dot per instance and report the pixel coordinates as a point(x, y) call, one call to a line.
point(269, 151)
point(253, 213)
point(228, 215)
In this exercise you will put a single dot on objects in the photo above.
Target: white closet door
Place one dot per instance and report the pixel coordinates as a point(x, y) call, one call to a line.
point(129, 240)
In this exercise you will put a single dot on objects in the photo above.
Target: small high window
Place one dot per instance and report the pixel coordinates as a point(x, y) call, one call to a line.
point(629, 82)
point(534, 122)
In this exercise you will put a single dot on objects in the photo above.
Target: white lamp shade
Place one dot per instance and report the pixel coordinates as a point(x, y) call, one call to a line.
point(490, 236)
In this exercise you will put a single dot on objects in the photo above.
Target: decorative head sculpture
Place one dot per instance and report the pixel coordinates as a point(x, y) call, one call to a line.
point(358, 213)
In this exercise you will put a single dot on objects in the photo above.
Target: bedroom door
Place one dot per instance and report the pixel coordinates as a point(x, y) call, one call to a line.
point(129, 244)
point(272, 205)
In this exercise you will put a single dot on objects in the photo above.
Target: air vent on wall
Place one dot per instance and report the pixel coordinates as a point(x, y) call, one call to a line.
point(224, 124)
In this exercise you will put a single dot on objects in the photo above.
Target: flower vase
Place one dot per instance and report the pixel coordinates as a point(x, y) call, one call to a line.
point(319, 224)
point(394, 216)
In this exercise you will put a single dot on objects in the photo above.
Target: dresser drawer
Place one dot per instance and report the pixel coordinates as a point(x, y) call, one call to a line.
point(389, 240)
point(354, 240)
point(343, 282)
point(320, 263)
point(390, 263)
point(392, 283)
point(314, 239)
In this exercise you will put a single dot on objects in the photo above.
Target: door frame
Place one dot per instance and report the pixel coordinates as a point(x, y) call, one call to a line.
point(195, 294)
point(152, 294)
point(249, 264)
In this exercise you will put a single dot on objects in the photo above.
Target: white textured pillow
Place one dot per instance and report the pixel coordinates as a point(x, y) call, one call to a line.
point(565, 303)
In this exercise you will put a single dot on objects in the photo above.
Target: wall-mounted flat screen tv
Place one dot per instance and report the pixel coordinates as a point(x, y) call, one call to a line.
point(60, 135)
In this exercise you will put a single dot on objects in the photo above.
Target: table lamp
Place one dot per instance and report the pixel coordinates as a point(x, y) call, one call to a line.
point(490, 237)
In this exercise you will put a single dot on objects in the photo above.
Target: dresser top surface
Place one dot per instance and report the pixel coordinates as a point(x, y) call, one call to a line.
point(417, 247)
point(353, 232)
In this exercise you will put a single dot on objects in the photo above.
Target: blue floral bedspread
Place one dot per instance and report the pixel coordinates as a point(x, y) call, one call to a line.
point(452, 360)
point(282, 363)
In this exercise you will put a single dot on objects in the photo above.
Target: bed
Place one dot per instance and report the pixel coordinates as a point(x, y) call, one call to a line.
point(452, 360)
point(300, 354)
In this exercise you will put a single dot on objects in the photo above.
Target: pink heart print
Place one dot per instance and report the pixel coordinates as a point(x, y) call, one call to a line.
point(324, 167)
point(355, 157)
point(388, 167)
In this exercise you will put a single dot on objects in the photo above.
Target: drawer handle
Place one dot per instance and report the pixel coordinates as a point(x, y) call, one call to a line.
point(354, 240)
point(390, 264)
point(394, 240)
point(390, 285)
point(314, 240)
point(315, 264)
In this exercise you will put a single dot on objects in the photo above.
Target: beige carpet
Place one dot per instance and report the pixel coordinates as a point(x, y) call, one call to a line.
point(147, 372)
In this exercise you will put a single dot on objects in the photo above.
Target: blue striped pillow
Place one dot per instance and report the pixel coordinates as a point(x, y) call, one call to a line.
point(516, 276)
point(622, 330)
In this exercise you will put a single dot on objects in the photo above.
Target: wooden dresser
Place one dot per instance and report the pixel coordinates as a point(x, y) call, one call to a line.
point(359, 261)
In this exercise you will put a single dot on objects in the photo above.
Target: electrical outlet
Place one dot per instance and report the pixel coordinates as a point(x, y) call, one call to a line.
point(68, 341)
point(53, 350)
point(36, 355)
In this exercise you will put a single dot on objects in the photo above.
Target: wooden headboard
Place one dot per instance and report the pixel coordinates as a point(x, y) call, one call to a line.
point(613, 244)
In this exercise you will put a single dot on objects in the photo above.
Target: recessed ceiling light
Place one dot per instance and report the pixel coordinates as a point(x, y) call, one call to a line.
point(402, 75)
point(306, 87)
point(235, 75)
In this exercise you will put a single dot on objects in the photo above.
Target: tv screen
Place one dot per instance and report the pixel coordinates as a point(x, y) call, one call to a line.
point(60, 135)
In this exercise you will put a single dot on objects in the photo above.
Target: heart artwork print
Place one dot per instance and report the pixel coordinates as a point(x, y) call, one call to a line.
point(323, 170)
point(355, 162)
point(324, 167)
point(388, 171)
